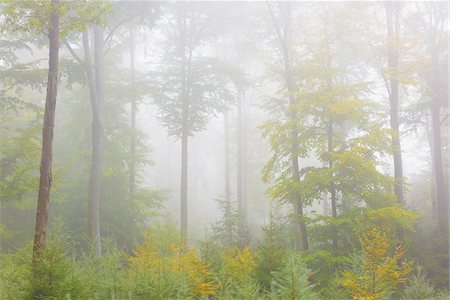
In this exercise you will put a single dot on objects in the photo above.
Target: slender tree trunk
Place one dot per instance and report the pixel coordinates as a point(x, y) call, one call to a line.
point(240, 163)
point(282, 32)
point(185, 48)
point(437, 103)
point(184, 174)
point(227, 178)
point(302, 236)
point(392, 21)
point(244, 156)
point(97, 143)
point(133, 119)
point(332, 187)
point(433, 192)
point(45, 181)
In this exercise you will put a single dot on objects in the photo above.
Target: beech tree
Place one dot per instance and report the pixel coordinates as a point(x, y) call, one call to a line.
point(190, 89)
point(281, 17)
point(45, 181)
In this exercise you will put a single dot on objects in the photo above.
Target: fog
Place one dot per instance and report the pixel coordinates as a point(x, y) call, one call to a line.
point(315, 131)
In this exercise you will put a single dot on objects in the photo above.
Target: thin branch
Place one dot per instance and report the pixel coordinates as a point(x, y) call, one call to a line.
point(444, 119)
point(74, 54)
point(108, 38)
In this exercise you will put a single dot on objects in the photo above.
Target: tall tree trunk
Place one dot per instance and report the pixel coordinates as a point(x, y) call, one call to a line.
point(186, 65)
point(437, 103)
point(282, 32)
point(133, 118)
point(184, 173)
point(97, 143)
point(332, 188)
point(229, 229)
point(393, 29)
point(240, 162)
point(45, 180)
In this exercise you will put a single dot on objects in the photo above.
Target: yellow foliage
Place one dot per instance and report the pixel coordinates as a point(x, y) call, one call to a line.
point(178, 262)
point(190, 267)
point(240, 263)
point(381, 271)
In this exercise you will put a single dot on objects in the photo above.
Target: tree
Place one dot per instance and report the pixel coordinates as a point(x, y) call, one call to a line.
point(95, 77)
point(45, 180)
point(381, 269)
point(393, 44)
point(438, 83)
point(282, 26)
point(190, 90)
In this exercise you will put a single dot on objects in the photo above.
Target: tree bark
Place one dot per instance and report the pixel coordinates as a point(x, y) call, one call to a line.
point(240, 162)
point(97, 143)
point(437, 103)
point(229, 229)
point(133, 119)
point(45, 180)
point(185, 48)
point(184, 173)
point(332, 187)
point(392, 21)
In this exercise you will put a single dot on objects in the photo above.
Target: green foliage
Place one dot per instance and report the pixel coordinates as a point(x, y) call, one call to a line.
point(226, 229)
point(418, 286)
point(34, 16)
point(272, 251)
point(55, 275)
point(291, 282)
point(15, 273)
point(190, 87)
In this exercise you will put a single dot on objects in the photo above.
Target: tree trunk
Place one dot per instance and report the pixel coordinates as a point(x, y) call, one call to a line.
point(45, 180)
point(240, 162)
point(332, 188)
point(301, 239)
point(229, 229)
point(302, 236)
point(133, 119)
point(392, 21)
point(97, 143)
point(437, 103)
point(184, 175)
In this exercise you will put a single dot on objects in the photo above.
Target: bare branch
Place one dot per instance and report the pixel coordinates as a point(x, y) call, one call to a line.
point(111, 32)
point(74, 54)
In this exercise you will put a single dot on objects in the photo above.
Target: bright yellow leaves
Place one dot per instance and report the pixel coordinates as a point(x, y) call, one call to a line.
point(240, 263)
point(176, 266)
point(188, 266)
point(381, 269)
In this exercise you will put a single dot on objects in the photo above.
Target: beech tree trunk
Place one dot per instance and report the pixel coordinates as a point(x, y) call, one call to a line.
point(184, 176)
point(240, 163)
point(186, 65)
point(436, 105)
point(133, 119)
point(282, 32)
point(97, 143)
point(332, 188)
point(45, 180)
point(392, 21)
point(227, 176)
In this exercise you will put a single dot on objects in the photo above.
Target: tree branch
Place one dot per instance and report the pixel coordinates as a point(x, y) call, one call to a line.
point(111, 32)
point(74, 54)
